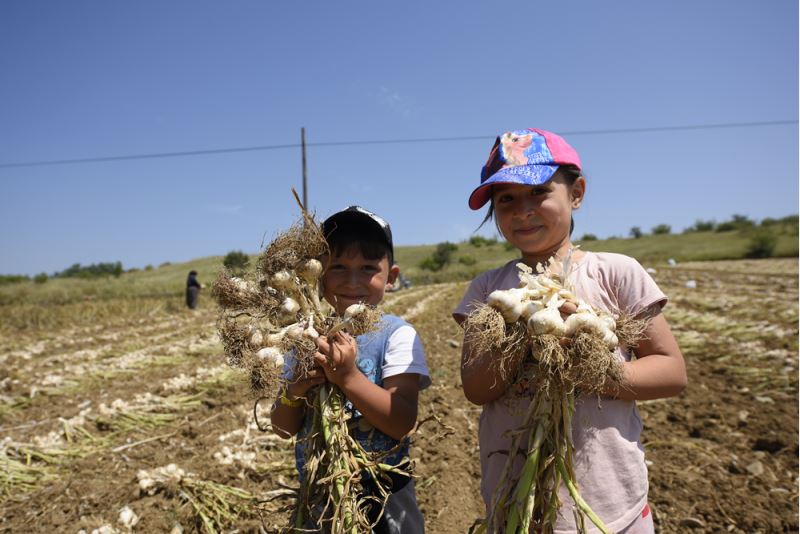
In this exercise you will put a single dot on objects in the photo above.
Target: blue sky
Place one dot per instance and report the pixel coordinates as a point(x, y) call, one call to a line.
point(87, 79)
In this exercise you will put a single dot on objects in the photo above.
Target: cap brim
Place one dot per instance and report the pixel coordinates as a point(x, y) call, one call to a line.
point(520, 174)
point(356, 216)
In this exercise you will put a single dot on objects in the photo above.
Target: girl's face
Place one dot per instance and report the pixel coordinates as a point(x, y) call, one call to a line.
point(536, 219)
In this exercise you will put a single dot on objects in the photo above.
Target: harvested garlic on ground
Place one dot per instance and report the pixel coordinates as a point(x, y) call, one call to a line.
point(271, 354)
point(310, 271)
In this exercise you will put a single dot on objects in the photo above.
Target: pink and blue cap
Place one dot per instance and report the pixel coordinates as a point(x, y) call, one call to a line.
point(526, 157)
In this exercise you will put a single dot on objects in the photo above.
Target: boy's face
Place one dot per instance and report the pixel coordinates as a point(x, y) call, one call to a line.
point(350, 278)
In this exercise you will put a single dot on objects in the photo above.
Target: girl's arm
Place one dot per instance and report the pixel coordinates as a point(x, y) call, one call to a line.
point(289, 409)
point(659, 370)
point(480, 376)
point(392, 409)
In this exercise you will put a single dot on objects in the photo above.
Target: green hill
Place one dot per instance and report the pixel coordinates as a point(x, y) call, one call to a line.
point(467, 260)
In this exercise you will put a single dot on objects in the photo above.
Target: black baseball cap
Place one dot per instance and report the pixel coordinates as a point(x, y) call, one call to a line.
point(358, 219)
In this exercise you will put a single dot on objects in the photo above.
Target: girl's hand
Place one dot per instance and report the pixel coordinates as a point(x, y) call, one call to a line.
point(298, 389)
point(337, 357)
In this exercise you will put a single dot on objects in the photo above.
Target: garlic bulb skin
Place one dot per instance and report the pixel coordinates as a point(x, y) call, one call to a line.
point(576, 322)
point(354, 310)
point(310, 271)
point(281, 279)
point(530, 307)
point(547, 321)
point(290, 306)
point(608, 321)
point(508, 303)
point(611, 340)
point(271, 354)
point(240, 284)
point(256, 338)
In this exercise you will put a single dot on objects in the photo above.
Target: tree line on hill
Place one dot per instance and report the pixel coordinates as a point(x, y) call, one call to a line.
point(763, 238)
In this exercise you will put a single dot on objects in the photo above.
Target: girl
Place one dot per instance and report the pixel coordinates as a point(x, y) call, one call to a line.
point(533, 182)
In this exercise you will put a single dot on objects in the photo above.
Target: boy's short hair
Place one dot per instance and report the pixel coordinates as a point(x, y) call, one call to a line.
point(356, 227)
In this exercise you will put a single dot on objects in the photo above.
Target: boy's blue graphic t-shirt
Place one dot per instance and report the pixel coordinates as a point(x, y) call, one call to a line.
point(370, 359)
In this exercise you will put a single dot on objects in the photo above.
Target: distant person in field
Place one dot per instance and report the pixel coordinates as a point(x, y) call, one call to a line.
point(380, 372)
point(533, 182)
point(192, 290)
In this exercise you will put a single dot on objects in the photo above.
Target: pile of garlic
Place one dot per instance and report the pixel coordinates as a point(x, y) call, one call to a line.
point(536, 302)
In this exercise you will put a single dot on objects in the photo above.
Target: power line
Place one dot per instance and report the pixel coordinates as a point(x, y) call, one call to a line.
point(155, 155)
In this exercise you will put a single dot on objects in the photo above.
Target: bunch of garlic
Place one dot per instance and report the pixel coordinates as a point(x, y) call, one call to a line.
point(300, 307)
point(536, 302)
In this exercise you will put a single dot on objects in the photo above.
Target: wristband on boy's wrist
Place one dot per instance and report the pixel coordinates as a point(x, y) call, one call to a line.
point(290, 403)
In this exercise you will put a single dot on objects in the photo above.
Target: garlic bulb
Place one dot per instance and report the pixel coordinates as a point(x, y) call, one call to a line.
point(290, 306)
point(576, 322)
point(547, 321)
point(310, 271)
point(256, 338)
point(240, 284)
point(609, 321)
point(529, 307)
point(611, 339)
point(508, 303)
point(353, 311)
point(282, 279)
point(271, 354)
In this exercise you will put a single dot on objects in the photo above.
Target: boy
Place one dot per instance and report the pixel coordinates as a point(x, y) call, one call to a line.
point(380, 373)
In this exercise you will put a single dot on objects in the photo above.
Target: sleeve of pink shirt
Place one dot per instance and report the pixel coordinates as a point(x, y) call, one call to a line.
point(634, 288)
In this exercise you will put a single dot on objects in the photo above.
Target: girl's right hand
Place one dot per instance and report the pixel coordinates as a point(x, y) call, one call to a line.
point(298, 389)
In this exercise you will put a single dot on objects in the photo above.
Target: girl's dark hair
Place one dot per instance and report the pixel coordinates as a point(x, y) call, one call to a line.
point(571, 173)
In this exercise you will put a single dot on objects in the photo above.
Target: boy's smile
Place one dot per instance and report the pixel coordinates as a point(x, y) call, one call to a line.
point(350, 278)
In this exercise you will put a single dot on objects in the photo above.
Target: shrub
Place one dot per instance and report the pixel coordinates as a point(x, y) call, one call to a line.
point(726, 226)
point(467, 260)
point(661, 229)
point(40, 278)
point(589, 237)
point(636, 232)
point(479, 241)
point(6, 279)
point(701, 226)
point(762, 245)
point(508, 246)
point(429, 264)
point(94, 270)
point(440, 257)
point(236, 261)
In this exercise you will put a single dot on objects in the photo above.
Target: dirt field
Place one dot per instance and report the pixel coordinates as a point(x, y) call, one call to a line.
point(84, 410)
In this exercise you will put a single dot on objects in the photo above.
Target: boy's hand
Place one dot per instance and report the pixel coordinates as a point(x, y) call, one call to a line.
point(299, 388)
point(337, 356)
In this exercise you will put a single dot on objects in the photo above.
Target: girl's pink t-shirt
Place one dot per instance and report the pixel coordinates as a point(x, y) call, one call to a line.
point(609, 459)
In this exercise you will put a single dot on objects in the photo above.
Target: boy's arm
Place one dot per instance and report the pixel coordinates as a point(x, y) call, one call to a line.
point(392, 409)
point(289, 409)
point(659, 370)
